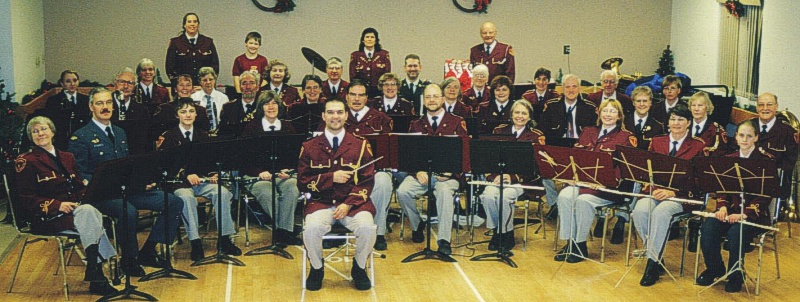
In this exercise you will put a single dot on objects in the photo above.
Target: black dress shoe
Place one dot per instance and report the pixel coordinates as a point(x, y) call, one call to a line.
point(579, 254)
point(314, 279)
point(618, 234)
point(380, 243)
point(94, 269)
point(598, 228)
point(418, 235)
point(494, 243)
point(197, 250)
point(150, 259)
point(735, 282)
point(651, 273)
point(561, 255)
point(444, 247)
point(292, 240)
point(228, 248)
point(101, 288)
point(552, 214)
point(508, 241)
point(360, 278)
point(708, 276)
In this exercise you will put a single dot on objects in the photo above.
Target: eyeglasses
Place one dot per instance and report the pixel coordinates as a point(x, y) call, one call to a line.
point(609, 82)
point(120, 81)
point(435, 96)
point(390, 84)
point(670, 88)
point(479, 76)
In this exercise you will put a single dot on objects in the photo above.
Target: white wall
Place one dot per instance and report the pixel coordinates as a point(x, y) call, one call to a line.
point(6, 51)
point(695, 32)
point(780, 52)
point(117, 33)
point(27, 40)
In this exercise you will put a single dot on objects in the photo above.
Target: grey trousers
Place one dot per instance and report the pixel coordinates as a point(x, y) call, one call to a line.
point(286, 200)
point(319, 223)
point(576, 213)
point(654, 229)
point(410, 188)
point(490, 199)
point(381, 197)
point(551, 194)
point(89, 224)
point(207, 190)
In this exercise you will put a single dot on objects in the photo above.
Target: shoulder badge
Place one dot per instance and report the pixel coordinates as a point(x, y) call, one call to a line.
point(699, 139)
point(159, 141)
point(19, 164)
point(633, 141)
point(542, 140)
point(510, 50)
point(464, 125)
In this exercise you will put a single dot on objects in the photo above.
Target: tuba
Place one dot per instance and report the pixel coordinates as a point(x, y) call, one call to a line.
point(791, 209)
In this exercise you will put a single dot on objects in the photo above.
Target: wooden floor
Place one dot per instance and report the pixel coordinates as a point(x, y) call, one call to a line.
point(538, 278)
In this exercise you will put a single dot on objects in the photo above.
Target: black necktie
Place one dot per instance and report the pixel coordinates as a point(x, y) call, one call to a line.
point(763, 129)
point(72, 98)
point(356, 116)
point(570, 126)
point(605, 131)
point(674, 148)
point(249, 108)
point(272, 128)
point(110, 135)
point(388, 107)
point(335, 143)
point(147, 92)
point(192, 40)
point(502, 107)
point(435, 123)
point(122, 108)
point(188, 135)
point(541, 99)
point(277, 90)
point(515, 134)
point(333, 91)
point(488, 50)
point(369, 55)
point(450, 109)
point(480, 95)
point(697, 131)
point(639, 127)
point(411, 87)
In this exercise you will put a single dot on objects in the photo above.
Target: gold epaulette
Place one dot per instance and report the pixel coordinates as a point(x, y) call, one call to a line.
point(698, 139)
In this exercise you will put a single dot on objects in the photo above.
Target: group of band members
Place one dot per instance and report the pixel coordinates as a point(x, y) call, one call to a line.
point(346, 112)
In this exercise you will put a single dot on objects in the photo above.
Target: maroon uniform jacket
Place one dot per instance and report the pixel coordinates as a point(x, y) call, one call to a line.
point(553, 122)
point(691, 147)
point(341, 90)
point(591, 140)
point(176, 137)
point(373, 122)
point(401, 106)
point(491, 116)
point(780, 141)
point(527, 135)
point(288, 94)
point(537, 102)
point(499, 62)
point(471, 99)
point(158, 95)
point(459, 108)
point(714, 136)
point(650, 129)
point(369, 70)
point(624, 100)
point(255, 128)
point(449, 125)
point(404, 91)
point(166, 117)
point(757, 210)
point(183, 57)
point(42, 185)
point(659, 111)
point(233, 113)
point(315, 170)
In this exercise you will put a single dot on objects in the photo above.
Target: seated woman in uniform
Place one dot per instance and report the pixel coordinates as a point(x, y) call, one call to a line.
point(523, 130)
point(267, 120)
point(479, 92)
point(653, 216)
point(497, 111)
point(577, 205)
point(727, 216)
point(703, 127)
point(453, 103)
point(49, 193)
point(278, 76)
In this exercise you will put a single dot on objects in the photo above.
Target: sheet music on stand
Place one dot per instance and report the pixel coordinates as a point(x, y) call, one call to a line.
point(755, 177)
point(668, 172)
point(575, 166)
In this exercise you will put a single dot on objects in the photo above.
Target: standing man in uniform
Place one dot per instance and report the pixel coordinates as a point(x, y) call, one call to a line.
point(339, 193)
point(412, 86)
point(69, 110)
point(498, 57)
point(101, 141)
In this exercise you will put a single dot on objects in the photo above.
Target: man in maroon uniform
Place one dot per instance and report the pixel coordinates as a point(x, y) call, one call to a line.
point(240, 111)
point(334, 86)
point(498, 57)
point(412, 86)
point(610, 80)
point(147, 91)
point(540, 95)
point(339, 193)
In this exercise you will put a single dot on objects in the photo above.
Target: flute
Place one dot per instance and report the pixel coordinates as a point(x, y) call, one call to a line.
point(593, 186)
point(742, 221)
point(516, 186)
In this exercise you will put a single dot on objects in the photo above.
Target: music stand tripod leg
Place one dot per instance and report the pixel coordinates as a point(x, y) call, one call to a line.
point(502, 254)
point(427, 252)
point(219, 257)
point(273, 248)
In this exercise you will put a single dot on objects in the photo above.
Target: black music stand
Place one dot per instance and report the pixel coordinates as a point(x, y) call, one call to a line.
point(501, 157)
point(277, 152)
point(576, 167)
point(424, 153)
point(735, 175)
point(230, 130)
point(166, 159)
point(117, 179)
point(401, 122)
point(225, 154)
point(306, 117)
point(652, 169)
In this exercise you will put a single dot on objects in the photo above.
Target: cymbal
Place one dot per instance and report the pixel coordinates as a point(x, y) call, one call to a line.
point(314, 58)
point(610, 63)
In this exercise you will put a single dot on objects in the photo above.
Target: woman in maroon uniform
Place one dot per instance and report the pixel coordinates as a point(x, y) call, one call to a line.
point(370, 61)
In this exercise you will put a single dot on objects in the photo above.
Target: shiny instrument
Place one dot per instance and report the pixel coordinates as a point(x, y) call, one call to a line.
point(516, 186)
point(602, 189)
point(791, 207)
point(711, 215)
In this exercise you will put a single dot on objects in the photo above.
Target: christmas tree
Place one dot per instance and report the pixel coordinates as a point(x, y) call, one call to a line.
point(10, 126)
point(666, 65)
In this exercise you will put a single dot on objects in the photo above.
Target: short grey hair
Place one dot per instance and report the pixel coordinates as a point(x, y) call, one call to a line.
point(204, 71)
point(480, 69)
point(251, 73)
point(334, 61)
point(39, 120)
point(609, 72)
point(571, 77)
